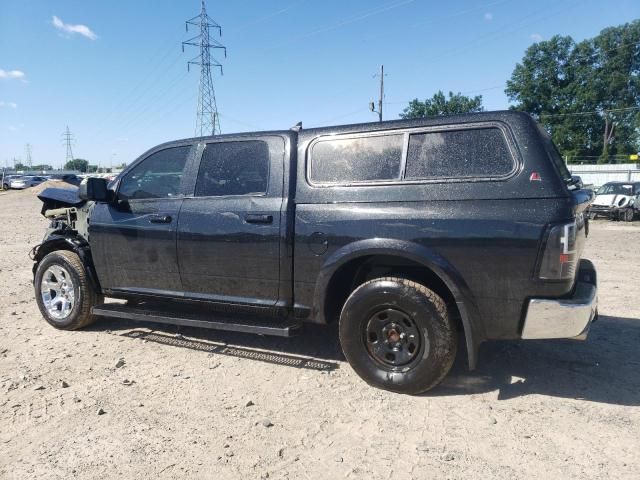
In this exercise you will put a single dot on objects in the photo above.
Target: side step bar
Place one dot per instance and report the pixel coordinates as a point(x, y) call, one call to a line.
point(196, 318)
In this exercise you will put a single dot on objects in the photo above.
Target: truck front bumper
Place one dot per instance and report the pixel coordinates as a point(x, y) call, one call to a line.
point(565, 317)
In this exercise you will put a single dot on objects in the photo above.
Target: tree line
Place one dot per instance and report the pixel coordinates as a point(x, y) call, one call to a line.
point(585, 94)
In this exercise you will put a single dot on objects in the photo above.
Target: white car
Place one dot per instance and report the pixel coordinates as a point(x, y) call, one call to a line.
point(26, 182)
point(617, 201)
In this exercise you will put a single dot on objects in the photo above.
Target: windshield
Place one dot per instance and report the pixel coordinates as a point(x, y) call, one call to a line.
point(616, 189)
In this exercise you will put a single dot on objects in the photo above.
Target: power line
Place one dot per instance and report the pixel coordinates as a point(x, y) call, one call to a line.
point(348, 20)
point(207, 121)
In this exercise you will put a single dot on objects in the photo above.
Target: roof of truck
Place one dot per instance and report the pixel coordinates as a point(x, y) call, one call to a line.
point(498, 115)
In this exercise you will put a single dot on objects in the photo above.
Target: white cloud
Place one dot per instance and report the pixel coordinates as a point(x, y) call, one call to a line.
point(11, 73)
point(488, 16)
point(15, 128)
point(72, 29)
point(536, 37)
point(8, 104)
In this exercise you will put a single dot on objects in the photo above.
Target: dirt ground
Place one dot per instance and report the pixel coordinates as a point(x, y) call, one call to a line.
point(188, 403)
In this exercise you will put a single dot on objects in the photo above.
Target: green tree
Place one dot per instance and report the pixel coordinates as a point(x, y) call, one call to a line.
point(441, 105)
point(77, 164)
point(586, 94)
point(41, 167)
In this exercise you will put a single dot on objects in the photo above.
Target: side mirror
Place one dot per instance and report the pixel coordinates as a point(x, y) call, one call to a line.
point(95, 189)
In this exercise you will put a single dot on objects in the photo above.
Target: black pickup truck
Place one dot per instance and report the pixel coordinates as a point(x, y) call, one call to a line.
point(409, 234)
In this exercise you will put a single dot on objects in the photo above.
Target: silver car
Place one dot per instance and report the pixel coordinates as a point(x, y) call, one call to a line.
point(26, 182)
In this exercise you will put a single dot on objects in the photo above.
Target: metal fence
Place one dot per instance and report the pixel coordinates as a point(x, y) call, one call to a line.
point(600, 174)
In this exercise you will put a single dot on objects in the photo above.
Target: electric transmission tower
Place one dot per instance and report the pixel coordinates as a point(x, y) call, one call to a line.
point(207, 121)
point(68, 138)
point(27, 151)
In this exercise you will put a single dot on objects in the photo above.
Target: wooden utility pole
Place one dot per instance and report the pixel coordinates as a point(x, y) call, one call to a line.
point(609, 134)
point(381, 98)
point(381, 92)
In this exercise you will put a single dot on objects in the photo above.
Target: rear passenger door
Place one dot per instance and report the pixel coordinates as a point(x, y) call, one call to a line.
point(229, 237)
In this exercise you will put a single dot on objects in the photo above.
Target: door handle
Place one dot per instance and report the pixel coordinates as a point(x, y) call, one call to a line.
point(258, 218)
point(160, 219)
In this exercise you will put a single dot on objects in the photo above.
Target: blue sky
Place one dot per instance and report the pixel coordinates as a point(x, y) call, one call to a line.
point(115, 73)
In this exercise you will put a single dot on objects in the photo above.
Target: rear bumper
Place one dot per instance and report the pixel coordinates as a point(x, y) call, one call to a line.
point(565, 317)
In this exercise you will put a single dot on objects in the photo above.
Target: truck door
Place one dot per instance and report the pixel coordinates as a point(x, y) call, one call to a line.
point(229, 231)
point(133, 239)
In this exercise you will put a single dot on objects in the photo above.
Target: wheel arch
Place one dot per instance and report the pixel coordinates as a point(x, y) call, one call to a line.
point(349, 266)
point(74, 244)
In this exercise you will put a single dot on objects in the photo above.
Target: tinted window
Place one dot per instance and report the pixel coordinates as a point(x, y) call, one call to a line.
point(233, 168)
point(458, 153)
point(362, 159)
point(157, 176)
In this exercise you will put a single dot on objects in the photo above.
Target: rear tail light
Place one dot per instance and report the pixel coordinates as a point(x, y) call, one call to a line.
point(560, 257)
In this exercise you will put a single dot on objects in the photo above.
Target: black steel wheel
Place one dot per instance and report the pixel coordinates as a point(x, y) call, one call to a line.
point(397, 335)
point(393, 338)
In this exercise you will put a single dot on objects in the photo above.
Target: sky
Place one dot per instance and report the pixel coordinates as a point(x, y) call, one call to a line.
point(114, 71)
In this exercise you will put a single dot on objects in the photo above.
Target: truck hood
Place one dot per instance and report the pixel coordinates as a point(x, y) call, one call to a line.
point(59, 198)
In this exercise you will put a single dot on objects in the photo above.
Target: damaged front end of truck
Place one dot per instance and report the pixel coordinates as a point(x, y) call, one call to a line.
point(68, 229)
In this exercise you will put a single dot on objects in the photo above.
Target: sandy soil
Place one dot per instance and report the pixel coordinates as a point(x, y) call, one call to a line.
point(187, 403)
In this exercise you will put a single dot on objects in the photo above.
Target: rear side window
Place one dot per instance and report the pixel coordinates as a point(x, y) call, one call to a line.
point(353, 160)
point(478, 152)
point(157, 176)
point(233, 168)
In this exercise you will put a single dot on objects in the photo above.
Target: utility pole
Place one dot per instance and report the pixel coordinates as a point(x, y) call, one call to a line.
point(68, 138)
point(207, 118)
point(381, 98)
point(27, 150)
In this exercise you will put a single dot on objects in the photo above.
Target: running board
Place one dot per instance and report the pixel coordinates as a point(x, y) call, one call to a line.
point(196, 318)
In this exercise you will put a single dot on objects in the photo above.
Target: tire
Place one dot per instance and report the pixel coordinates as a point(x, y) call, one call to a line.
point(5, 186)
point(627, 215)
point(380, 322)
point(61, 275)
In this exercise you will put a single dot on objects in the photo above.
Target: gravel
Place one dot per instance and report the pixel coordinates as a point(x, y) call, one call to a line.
point(564, 409)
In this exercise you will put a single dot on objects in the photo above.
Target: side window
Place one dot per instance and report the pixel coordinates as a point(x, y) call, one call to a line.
point(481, 152)
point(360, 159)
point(157, 176)
point(233, 168)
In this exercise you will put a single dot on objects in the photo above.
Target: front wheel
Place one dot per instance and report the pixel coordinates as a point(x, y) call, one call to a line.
point(627, 215)
point(63, 292)
point(397, 335)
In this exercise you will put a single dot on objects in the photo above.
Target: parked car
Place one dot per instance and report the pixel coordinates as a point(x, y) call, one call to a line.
point(66, 177)
point(406, 233)
point(27, 181)
point(6, 181)
point(617, 201)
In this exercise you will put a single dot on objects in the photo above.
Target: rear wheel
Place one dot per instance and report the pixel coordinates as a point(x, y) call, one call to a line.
point(63, 292)
point(397, 335)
